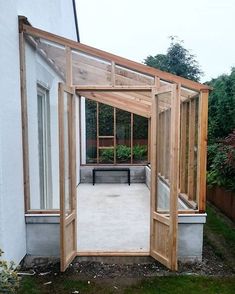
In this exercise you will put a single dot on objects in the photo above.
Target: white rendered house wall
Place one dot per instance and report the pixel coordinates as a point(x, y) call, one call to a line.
point(55, 16)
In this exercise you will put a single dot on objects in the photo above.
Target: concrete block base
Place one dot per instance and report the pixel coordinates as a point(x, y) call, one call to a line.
point(43, 239)
point(43, 235)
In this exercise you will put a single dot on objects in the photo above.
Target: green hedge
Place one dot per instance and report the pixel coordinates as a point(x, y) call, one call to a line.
point(221, 136)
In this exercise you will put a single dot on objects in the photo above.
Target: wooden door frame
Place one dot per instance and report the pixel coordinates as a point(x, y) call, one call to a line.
point(172, 220)
point(72, 218)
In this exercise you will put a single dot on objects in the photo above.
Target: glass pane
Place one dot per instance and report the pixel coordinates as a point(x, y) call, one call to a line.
point(67, 176)
point(89, 70)
point(106, 117)
point(106, 141)
point(123, 136)
point(91, 131)
point(140, 139)
point(164, 152)
point(189, 152)
point(53, 53)
point(125, 76)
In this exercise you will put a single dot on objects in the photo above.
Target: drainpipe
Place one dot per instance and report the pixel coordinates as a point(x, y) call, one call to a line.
point(76, 19)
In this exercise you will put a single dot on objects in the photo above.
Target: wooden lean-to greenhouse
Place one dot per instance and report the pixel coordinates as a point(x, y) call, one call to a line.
point(88, 113)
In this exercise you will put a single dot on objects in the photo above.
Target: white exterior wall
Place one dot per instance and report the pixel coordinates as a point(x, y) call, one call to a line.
point(55, 16)
point(39, 72)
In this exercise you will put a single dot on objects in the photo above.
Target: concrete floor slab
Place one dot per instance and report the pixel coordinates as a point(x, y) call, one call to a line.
point(113, 217)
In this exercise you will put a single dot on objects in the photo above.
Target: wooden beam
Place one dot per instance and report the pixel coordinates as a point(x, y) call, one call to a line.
point(42, 211)
point(161, 218)
point(113, 253)
point(123, 98)
point(164, 89)
point(24, 114)
point(117, 59)
point(116, 88)
point(131, 96)
point(202, 150)
point(130, 107)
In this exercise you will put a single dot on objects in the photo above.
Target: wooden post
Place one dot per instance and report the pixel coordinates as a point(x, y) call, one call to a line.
point(191, 136)
point(114, 136)
point(202, 149)
point(61, 171)
point(113, 82)
point(174, 183)
point(153, 156)
point(168, 142)
point(132, 122)
point(149, 138)
point(24, 114)
point(183, 144)
point(97, 132)
point(73, 161)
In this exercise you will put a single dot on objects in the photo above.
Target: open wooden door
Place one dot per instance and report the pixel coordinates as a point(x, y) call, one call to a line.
point(165, 128)
point(67, 153)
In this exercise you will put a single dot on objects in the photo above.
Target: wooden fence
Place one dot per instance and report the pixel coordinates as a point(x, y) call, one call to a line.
point(222, 199)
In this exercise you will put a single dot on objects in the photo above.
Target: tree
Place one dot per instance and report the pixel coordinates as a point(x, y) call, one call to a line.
point(177, 60)
point(221, 132)
point(221, 107)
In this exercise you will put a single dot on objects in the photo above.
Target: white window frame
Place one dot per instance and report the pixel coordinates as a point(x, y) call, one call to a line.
point(44, 147)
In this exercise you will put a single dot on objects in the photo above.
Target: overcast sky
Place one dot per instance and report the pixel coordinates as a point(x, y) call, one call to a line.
point(137, 28)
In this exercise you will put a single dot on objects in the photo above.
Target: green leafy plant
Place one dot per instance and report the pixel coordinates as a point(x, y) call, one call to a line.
point(221, 166)
point(106, 156)
point(123, 153)
point(9, 280)
point(140, 152)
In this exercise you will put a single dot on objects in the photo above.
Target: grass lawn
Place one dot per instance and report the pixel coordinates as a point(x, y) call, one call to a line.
point(219, 232)
point(218, 225)
point(170, 284)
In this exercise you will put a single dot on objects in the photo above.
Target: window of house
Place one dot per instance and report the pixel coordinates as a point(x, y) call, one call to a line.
point(44, 148)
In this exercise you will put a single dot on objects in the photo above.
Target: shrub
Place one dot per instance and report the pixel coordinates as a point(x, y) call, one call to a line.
point(106, 156)
point(140, 152)
point(123, 153)
point(221, 166)
point(9, 280)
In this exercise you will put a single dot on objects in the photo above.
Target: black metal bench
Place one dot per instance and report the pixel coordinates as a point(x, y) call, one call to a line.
point(111, 170)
